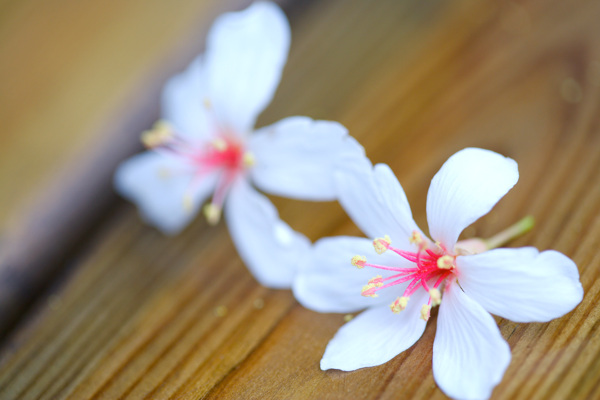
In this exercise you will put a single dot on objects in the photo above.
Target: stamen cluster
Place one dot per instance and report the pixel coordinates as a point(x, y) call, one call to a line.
point(433, 266)
point(224, 154)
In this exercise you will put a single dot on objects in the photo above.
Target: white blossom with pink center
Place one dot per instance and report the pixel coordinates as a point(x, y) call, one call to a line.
point(416, 273)
point(206, 144)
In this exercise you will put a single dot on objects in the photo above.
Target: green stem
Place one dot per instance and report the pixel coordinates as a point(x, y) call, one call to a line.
point(510, 233)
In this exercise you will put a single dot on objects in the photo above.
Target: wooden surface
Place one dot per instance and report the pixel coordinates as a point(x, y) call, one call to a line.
point(77, 85)
point(128, 313)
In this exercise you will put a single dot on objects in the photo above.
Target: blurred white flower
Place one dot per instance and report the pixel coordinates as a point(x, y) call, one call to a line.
point(469, 353)
point(205, 144)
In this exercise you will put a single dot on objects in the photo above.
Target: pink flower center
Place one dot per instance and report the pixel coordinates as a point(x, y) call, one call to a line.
point(432, 268)
point(224, 155)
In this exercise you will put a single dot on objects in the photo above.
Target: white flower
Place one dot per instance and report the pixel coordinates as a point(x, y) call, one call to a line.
point(206, 145)
point(469, 353)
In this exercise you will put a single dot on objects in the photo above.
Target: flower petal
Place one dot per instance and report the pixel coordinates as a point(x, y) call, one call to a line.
point(375, 336)
point(268, 246)
point(296, 157)
point(183, 102)
point(523, 284)
point(375, 201)
point(158, 185)
point(327, 281)
point(467, 186)
point(246, 52)
point(469, 353)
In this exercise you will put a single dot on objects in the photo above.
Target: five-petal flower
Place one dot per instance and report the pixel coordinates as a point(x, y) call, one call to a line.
point(206, 145)
point(415, 273)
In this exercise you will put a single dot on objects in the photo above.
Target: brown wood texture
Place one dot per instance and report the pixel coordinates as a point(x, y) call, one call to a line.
point(139, 315)
point(76, 82)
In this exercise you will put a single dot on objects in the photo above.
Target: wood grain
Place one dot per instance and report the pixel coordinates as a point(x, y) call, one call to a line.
point(144, 316)
point(71, 114)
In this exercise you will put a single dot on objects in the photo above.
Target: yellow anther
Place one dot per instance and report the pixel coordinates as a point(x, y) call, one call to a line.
point(220, 311)
point(376, 281)
point(368, 291)
point(417, 239)
point(248, 159)
point(162, 125)
point(399, 304)
point(160, 134)
point(436, 297)
point(212, 212)
point(425, 312)
point(382, 244)
point(445, 262)
point(258, 303)
point(359, 261)
point(207, 103)
point(188, 203)
point(219, 144)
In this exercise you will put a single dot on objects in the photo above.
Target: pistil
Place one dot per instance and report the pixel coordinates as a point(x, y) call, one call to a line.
point(223, 155)
point(431, 265)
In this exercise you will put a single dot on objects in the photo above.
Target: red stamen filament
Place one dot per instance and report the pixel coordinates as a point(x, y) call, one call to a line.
point(224, 155)
point(426, 270)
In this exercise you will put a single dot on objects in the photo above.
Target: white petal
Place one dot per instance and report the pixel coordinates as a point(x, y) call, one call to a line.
point(158, 185)
point(375, 201)
point(467, 186)
point(469, 353)
point(296, 157)
point(268, 246)
point(523, 284)
point(327, 281)
point(183, 104)
point(246, 52)
point(375, 336)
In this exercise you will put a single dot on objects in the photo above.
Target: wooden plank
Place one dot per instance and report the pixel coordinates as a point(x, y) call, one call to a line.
point(81, 82)
point(142, 315)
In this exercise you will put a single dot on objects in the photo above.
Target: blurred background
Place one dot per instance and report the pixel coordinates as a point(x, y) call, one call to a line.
point(93, 303)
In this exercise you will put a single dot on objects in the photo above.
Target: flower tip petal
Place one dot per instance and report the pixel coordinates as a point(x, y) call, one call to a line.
point(470, 356)
point(375, 336)
point(467, 187)
point(374, 199)
point(144, 179)
point(268, 246)
point(522, 284)
point(298, 157)
point(568, 274)
point(245, 55)
point(327, 282)
point(325, 364)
